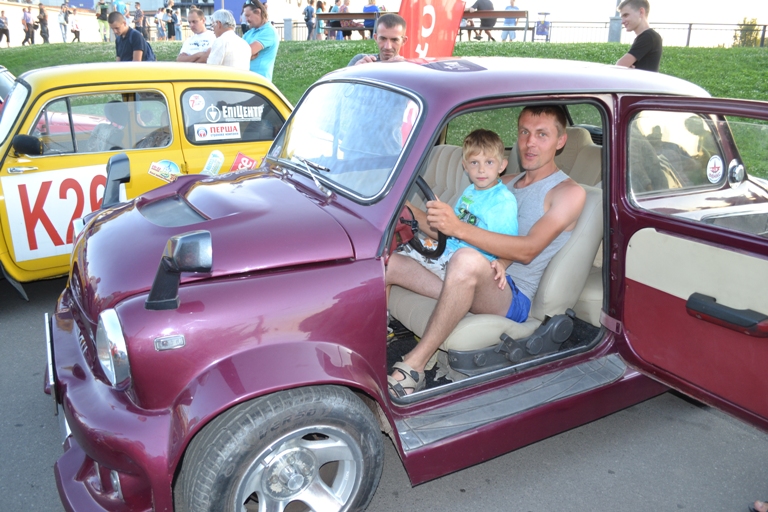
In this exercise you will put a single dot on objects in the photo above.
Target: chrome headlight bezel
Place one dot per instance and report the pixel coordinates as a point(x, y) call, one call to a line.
point(111, 349)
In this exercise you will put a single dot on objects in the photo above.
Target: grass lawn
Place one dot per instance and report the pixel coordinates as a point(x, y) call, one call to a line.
point(724, 72)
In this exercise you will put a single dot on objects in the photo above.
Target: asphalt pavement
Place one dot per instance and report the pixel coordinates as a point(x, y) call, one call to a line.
point(666, 454)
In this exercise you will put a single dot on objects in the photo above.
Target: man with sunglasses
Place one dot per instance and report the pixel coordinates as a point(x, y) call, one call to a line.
point(195, 48)
point(262, 37)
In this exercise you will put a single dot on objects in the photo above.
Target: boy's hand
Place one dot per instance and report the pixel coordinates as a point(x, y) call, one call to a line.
point(499, 273)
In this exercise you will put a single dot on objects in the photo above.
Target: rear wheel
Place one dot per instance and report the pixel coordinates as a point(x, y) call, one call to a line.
point(317, 449)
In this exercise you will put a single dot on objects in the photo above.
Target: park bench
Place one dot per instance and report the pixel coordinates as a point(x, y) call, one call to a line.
point(340, 16)
point(497, 14)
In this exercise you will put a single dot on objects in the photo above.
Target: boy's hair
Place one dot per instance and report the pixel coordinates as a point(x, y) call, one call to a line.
point(549, 110)
point(483, 140)
point(636, 5)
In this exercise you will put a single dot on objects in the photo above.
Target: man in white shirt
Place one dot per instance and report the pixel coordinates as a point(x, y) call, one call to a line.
point(228, 49)
point(194, 48)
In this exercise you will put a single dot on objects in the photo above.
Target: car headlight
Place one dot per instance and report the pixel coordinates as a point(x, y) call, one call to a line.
point(111, 349)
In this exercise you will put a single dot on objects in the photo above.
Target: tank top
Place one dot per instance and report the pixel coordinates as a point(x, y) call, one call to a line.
point(530, 208)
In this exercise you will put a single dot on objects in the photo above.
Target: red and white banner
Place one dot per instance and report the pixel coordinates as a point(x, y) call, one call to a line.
point(432, 27)
point(42, 206)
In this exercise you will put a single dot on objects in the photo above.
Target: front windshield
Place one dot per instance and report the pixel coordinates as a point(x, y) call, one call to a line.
point(11, 110)
point(353, 132)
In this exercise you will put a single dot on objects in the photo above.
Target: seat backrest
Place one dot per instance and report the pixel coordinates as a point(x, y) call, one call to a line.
point(578, 137)
point(567, 272)
point(445, 175)
point(588, 167)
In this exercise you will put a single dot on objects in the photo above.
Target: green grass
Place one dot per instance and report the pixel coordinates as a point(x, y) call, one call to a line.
point(724, 72)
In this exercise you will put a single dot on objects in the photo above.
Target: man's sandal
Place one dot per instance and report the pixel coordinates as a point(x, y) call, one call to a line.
point(413, 381)
point(763, 506)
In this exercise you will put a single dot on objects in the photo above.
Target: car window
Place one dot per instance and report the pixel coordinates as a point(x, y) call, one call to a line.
point(91, 123)
point(11, 109)
point(353, 133)
point(503, 121)
point(221, 116)
point(702, 168)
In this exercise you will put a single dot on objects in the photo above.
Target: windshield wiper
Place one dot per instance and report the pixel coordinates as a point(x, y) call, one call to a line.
point(307, 165)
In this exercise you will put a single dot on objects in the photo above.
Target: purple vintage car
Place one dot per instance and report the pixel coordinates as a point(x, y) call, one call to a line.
point(222, 343)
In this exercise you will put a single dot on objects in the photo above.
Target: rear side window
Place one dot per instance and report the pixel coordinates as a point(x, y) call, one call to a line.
point(94, 123)
point(221, 116)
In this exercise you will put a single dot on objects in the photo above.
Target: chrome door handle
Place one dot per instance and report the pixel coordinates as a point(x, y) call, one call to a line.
point(16, 170)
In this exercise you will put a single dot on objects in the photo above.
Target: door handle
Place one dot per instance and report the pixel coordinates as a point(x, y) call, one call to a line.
point(17, 170)
point(745, 321)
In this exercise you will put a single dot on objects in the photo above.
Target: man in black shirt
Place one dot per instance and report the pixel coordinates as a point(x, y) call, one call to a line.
point(484, 5)
point(130, 44)
point(645, 52)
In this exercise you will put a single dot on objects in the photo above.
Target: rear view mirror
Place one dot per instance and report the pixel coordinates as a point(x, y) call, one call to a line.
point(188, 252)
point(27, 145)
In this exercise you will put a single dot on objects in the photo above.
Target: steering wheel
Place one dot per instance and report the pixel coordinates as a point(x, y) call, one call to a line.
point(415, 242)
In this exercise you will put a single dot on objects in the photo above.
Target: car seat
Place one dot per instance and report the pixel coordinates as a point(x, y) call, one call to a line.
point(109, 136)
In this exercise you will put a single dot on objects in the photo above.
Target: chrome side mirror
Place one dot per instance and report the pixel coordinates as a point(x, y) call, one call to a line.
point(736, 173)
point(188, 252)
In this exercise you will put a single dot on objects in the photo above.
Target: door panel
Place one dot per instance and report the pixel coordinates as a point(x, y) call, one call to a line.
point(662, 272)
point(689, 246)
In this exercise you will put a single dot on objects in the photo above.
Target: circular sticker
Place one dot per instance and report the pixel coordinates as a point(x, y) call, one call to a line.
point(714, 169)
point(196, 102)
point(213, 114)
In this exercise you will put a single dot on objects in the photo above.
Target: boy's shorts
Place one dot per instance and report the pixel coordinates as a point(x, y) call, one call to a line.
point(521, 305)
point(436, 266)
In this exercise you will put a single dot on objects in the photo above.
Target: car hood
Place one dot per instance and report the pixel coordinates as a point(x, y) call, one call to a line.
point(257, 222)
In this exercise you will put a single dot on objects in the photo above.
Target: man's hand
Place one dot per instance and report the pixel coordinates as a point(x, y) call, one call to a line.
point(367, 59)
point(499, 267)
point(441, 217)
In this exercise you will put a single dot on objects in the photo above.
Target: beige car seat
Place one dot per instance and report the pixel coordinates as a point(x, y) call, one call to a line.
point(560, 287)
point(109, 136)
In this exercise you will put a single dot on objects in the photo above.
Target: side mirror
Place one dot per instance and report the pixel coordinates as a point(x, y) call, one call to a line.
point(118, 171)
point(27, 145)
point(736, 173)
point(188, 252)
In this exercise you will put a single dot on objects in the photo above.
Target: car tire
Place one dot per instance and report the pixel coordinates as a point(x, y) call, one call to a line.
point(320, 446)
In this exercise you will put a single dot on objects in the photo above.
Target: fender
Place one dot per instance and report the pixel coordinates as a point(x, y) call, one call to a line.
point(16, 285)
point(244, 377)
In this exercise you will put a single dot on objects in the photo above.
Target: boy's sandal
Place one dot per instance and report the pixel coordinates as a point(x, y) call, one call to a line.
point(413, 381)
point(751, 506)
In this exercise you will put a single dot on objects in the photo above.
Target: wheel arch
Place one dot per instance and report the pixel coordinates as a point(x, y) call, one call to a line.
point(202, 401)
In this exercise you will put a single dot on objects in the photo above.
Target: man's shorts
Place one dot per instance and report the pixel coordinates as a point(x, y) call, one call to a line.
point(521, 305)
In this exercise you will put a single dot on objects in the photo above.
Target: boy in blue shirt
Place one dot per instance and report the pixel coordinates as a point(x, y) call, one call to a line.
point(486, 203)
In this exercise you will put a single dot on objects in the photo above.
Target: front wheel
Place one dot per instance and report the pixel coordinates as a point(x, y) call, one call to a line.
point(316, 449)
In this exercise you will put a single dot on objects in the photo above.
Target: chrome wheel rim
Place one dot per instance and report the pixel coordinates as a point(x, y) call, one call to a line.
point(315, 468)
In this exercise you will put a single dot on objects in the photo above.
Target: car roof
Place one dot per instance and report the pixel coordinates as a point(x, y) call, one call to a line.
point(465, 78)
point(137, 72)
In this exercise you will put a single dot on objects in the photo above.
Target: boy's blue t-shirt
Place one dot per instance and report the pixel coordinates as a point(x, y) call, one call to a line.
point(493, 209)
point(264, 62)
point(510, 22)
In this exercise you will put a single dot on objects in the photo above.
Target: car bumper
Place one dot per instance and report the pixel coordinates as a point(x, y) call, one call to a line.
point(115, 453)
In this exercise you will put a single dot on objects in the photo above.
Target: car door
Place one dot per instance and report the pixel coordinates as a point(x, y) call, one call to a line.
point(80, 129)
point(228, 126)
point(690, 240)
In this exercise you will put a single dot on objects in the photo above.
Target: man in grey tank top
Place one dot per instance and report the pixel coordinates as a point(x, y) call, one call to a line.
point(549, 204)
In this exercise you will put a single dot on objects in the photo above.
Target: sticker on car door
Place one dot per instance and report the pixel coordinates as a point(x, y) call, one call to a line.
point(42, 206)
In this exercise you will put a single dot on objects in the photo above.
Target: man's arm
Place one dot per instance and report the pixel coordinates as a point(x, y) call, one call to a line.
point(195, 57)
point(138, 55)
point(256, 47)
point(562, 205)
point(628, 61)
point(215, 53)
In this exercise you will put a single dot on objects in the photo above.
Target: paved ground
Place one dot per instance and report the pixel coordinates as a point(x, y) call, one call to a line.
point(663, 455)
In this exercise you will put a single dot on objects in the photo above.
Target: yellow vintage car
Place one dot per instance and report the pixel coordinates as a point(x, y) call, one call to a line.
point(59, 126)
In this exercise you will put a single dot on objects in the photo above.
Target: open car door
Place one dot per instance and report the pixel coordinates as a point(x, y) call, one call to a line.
point(690, 239)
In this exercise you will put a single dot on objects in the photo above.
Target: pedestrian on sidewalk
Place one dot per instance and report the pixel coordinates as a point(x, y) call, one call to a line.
point(4, 29)
point(102, 10)
point(42, 19)
point(74, 25)
point(309, 19)
point(29, 29)
point(63, 21)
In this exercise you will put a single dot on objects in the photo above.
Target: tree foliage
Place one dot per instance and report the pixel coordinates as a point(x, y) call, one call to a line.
point(748, 33)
